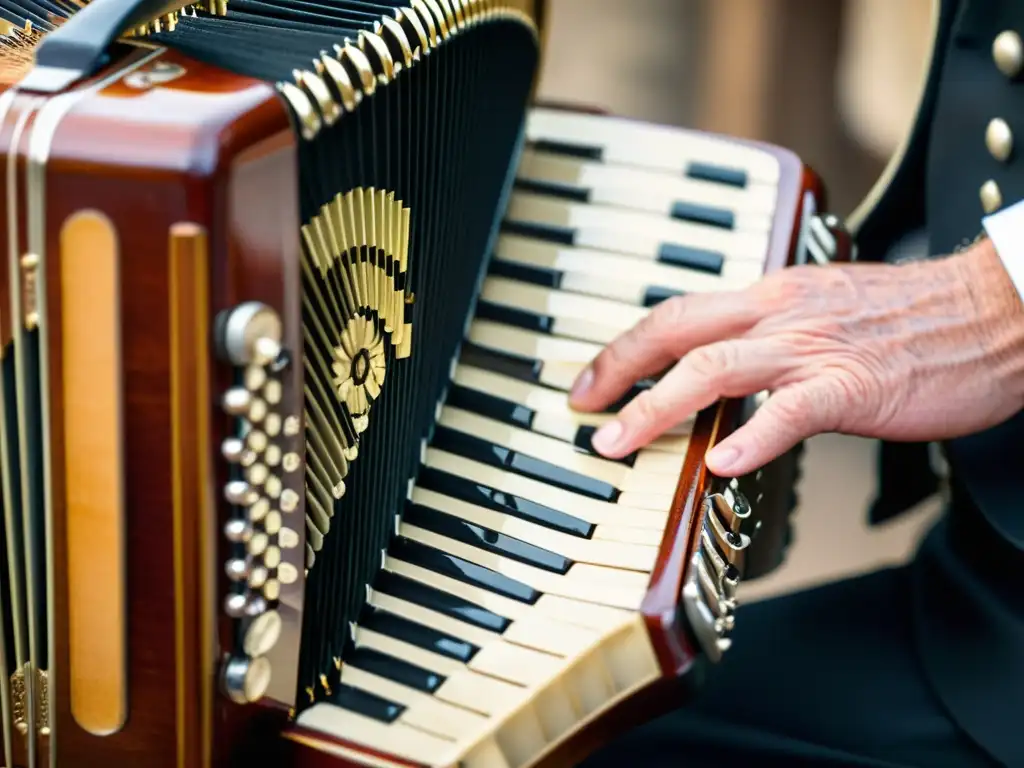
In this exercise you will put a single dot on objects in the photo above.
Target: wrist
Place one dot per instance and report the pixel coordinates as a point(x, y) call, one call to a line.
point(994, 301)
point(985, 275)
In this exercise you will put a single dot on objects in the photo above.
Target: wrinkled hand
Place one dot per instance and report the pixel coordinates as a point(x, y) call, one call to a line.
point(927, 350)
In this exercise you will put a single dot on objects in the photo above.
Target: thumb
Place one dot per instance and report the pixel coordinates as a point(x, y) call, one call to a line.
point(790, 415)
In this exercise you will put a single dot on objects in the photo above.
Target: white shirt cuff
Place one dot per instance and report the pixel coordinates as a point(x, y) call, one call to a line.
point(1006, 231)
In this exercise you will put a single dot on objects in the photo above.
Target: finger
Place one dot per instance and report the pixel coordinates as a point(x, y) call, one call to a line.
point(788, 416)
point(672, 329)
point(734, 368)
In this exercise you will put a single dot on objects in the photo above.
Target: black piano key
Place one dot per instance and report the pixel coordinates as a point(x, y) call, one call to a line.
point(477, 536)
point(517, 415)
point(584, 441)
point(454, 607)
point(491, 498)
point(366, 704)
point(416, 634)
point(549, 278)
point(518, 318)
point(552, 233)
point(733, 177)
point(490, 406)
point(656, 294)
point(704, 214)
point(454, 567)
point(629, 396)
point(529, 466)
point(582, 151)
point(528, 369)
point(554, 189)
point(521, 368)
point(694, 258)
point(402, 672)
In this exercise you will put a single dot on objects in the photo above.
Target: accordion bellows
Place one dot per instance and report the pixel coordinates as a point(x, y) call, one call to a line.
point(295, 293)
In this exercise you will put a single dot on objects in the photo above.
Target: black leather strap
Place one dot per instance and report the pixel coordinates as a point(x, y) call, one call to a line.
point(80, 44)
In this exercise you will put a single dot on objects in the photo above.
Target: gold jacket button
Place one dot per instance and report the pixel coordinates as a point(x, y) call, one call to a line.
point(999, 139)
point(991, 197)
point(1008, 52)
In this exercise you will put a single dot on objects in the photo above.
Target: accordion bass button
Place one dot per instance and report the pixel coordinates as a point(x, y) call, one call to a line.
point(255, 606)
point(245, 680)
point(237, 569)
point(287, 573)
point(235, 604)
point(237, 401)
point(232, 449)
point(238, 531)
point(240, 493)
point(287, 539)
point(263, 634)
point(251, 334)
point(289, 500)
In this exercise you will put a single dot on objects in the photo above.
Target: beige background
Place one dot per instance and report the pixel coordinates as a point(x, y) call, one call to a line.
point(834, 80)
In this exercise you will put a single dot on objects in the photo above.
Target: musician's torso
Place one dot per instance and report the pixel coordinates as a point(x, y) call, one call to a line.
point(969, 609)
point(974, 168)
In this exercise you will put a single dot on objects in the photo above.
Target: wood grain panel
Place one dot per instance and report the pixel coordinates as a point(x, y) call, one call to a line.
point(94, 471)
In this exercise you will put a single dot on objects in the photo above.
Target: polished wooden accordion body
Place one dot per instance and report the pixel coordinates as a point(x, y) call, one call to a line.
point(294, 295)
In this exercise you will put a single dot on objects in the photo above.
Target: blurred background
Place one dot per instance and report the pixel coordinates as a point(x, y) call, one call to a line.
point(837, 82)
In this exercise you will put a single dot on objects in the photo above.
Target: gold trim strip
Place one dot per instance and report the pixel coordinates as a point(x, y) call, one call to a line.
point(93, 416)
point(43, 132)
point(14, 578)
point(194, 549)
point(27, 588)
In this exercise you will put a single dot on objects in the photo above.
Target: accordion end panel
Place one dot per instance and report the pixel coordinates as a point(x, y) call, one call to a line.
point(151, 209)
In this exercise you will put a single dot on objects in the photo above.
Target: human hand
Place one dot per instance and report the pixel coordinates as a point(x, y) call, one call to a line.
point(923, 351)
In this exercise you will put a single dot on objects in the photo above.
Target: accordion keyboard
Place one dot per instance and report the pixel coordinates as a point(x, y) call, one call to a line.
point(506, 614)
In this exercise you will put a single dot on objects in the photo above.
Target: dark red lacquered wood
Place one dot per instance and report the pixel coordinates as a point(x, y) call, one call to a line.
point(662, 606)
point(149, 159)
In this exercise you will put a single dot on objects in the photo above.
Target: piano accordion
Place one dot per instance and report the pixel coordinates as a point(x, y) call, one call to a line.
point(294, 295)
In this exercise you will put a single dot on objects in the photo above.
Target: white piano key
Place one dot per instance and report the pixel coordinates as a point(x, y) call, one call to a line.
point(397, 738)
point(554, 404)
point(530, 344)
point(618, 316)
point(583, 507)
point(654, 191)
point(592, 584)
point(562, 624)
point(492, 661)
point(565, 455)
point(634, 232)
point(604, 268)
point(628, 142)
point(424, 711)
point(635, 557)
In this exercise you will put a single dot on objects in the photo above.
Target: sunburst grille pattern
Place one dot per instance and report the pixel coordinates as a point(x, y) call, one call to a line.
point(357, 317)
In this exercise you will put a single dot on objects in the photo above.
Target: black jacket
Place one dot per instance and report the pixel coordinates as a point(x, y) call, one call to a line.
point(969, 595)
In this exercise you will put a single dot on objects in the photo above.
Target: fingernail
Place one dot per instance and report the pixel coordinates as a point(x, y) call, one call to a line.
point(607, 437)
point(582, 384)
point(723, 458)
